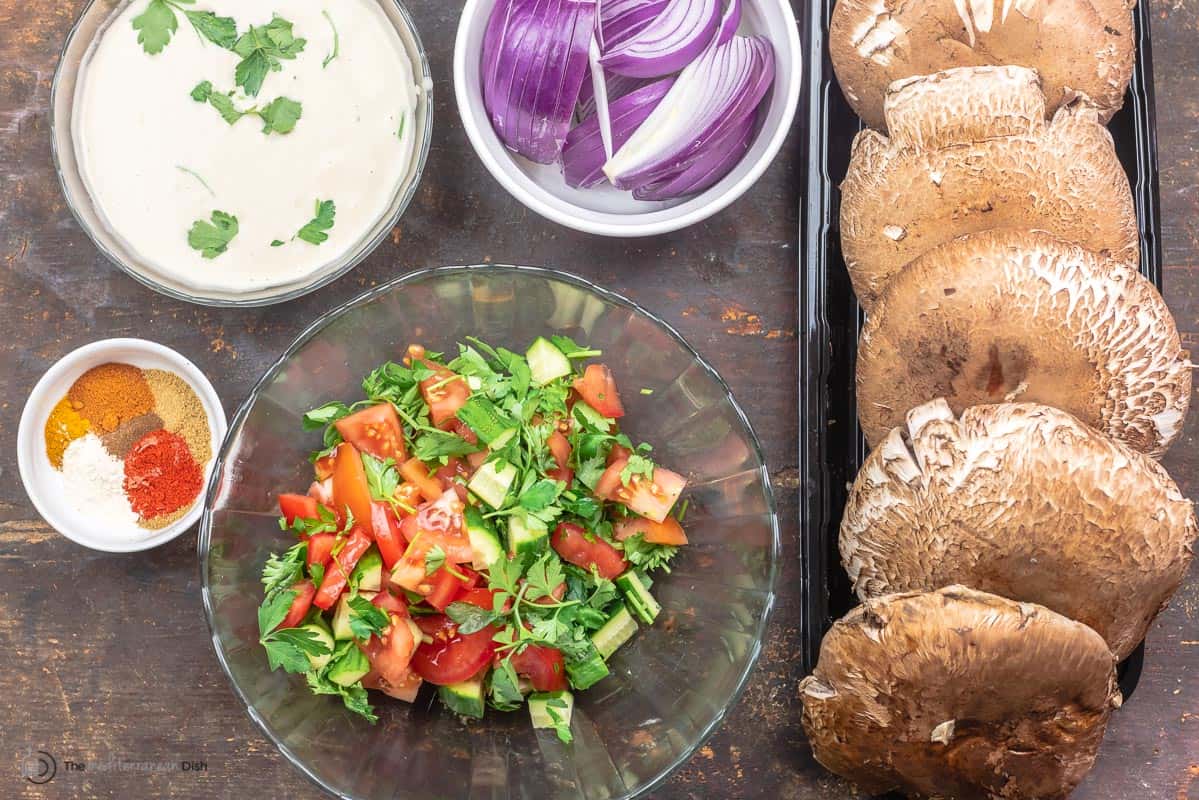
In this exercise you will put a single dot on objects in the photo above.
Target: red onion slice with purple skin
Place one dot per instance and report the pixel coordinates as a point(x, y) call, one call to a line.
point(583, 154)
point(713, 95)
point(715, 163)
point(533, 65)
point(675, 37)
point(618, 87)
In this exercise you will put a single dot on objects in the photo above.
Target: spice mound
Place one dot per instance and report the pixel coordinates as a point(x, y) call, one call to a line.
point(131, 444)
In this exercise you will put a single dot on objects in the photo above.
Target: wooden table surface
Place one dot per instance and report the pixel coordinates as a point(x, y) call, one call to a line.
point(107, 658)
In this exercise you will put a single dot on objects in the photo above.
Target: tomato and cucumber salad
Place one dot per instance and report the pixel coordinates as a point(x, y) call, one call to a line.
point(478, 523)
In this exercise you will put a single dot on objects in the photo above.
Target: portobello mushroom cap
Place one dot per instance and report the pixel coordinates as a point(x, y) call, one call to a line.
point(1079, 47)
point(1019, 315)
point(970, 150)
point(1024, 501)
point(959, 694)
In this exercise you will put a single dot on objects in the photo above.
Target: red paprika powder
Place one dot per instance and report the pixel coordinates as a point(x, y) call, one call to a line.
point(161, 475)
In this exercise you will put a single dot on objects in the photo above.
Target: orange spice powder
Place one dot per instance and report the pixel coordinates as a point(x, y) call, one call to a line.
point(111, 394)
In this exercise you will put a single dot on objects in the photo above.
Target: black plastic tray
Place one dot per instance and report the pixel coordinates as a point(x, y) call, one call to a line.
point(831, 446)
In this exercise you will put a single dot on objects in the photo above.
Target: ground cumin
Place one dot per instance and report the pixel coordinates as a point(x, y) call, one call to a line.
point(181, 411)
point(111, 394)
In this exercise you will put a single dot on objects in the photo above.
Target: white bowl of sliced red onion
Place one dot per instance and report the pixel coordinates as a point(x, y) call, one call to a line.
point(627, 117)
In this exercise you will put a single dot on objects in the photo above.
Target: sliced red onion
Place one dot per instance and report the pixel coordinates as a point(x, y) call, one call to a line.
point(713, 95)
point(671, 41)
point(534, 62)
point(728, 23)
point(716, 162)
point(620, 20)
point(583, 154)
point(618, 87)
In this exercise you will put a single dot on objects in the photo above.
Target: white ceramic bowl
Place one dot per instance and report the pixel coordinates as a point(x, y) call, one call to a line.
point(44, 484)
point(606, 210)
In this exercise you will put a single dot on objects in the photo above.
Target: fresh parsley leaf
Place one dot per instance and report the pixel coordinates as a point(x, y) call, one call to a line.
point(324, 415)
point(590, 470)
point(638, 465)
point(155, 26)
point(572, 349)
point(434, 559)
point(213, 238)
point(381, 476)
point(317, 573)
point(604, 591)
point(326, 522)
point(504, 574)
point(273, 610)
point(434, 445)
point(648, 557)
point(556, 708)
point(314, 232)
point(403, 119)
point(284, 571)
point(471, 618)
point(539, 495)
point(354, 697)
point(336, 42)
point(221, 31)
point(366, 619)
point(278, 243)
point(280, 116)
point(284, 654)
point(544, 576)
point(262, 48)
point(505, 687)
point(202, 91)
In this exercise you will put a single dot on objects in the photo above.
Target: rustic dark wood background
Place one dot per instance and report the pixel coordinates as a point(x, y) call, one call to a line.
point(108, 657)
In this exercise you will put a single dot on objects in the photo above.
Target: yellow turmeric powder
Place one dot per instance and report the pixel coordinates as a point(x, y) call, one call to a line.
point(111, 394)
point(63, 427)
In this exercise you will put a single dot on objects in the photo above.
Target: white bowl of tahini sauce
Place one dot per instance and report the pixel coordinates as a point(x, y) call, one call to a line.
point(243, 151)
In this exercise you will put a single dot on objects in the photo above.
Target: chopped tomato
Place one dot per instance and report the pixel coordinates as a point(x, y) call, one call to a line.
point(544, 666)
point(453, 475)
point(452, 656)
point(408, 494)
point(560, 450)
point(338, 572)
point(445, 392)
point(299, 607)
point(669, 531)
point(375, 430)
point(475, 460)
point(462, 429)
point(572, 544)
point(320, 548)
point(652, 499)
point(390, 603)
point(390, 656)
point(350, 489)
point(387, 533)
point(300, 506)
point(483, 598)
point(447, 586)
point(597, 387)
point(324, 467)
point(408, 528)
point(618, 453)
point(437, 524)
point(322, 492)
point(415, 472)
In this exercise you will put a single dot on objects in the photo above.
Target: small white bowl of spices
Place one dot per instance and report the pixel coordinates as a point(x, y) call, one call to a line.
point(116, 444)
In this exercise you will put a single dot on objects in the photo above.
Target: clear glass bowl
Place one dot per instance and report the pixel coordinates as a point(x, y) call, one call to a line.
point(670, 686)
point(92, 23)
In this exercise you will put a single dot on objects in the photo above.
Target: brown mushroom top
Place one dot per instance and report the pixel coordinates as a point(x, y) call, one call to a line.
point(1019, 315)
point(961, 694)
point(970, 150)
point(1078, 46)
point(1024, 501)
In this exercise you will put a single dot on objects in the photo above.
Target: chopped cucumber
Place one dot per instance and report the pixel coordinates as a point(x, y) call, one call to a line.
point(587, 672)
point(484, 542)
point(368, 572)
point(493, 427)
point(349, 669)
point(322, 633)
point(527, 536)
point(465, 698)
point(341, 619)
point(619, 628)
point(637, 595)
point(491, 484)
point(546, 362)
point(560, 703)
